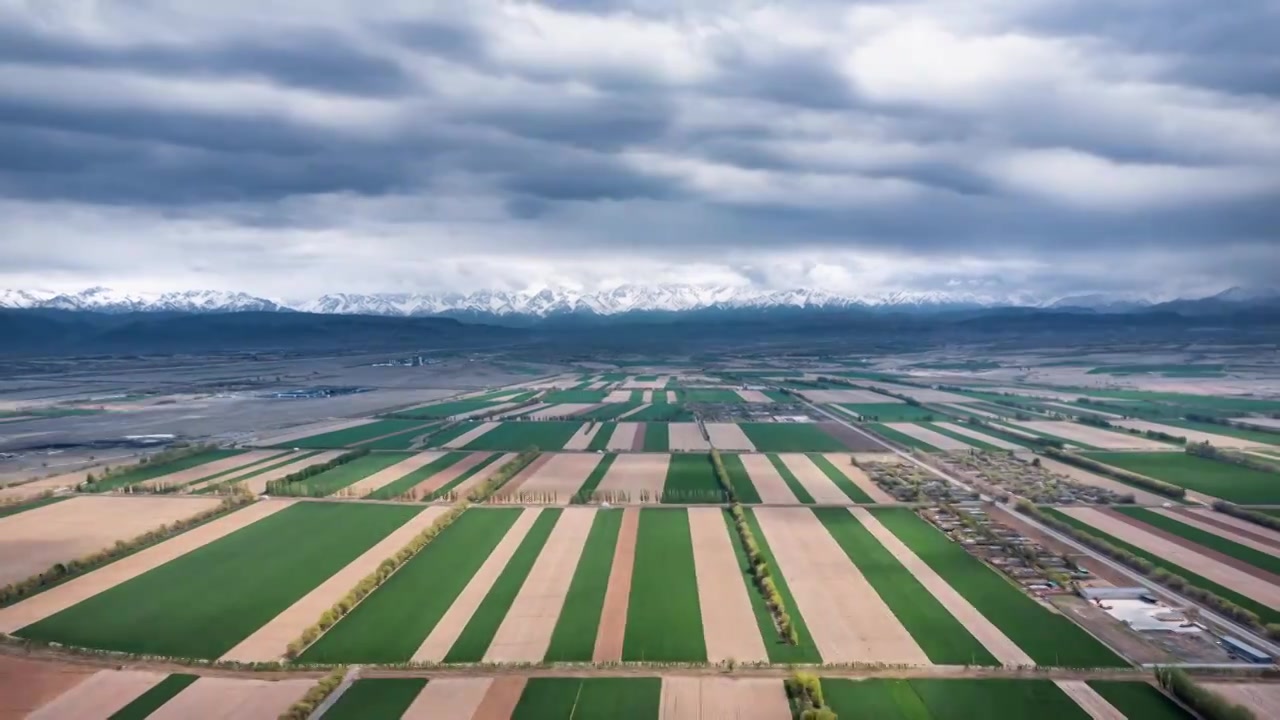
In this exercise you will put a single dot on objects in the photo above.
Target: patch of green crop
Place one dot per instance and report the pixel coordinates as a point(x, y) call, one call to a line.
point(997, 698)
point(151, 470)
point(738, 479)
point(900, 438)
point(590, 699)
point(331, 481)
point(842, 481)
point(376, 699)
point(790, 437)
point(1139, 700)
point(657, 437)
point(874, 698)
point(574, 638)
point(691, 478)
point(892, 412)
point(1268, 561)
point(521, 435)
point(780, 651)
point(593, 480)
point(797, 488)
point(352, 435)
point(1233, 483)
point(463, 477)
point(971, 442)
point(600, 441)
point(664, 619)
point(574, 396)
point(662, 413)
point(151, 700)
point(404, 484)
point(718, 397)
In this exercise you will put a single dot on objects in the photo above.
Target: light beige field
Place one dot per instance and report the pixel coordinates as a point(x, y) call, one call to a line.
point(33, 541)
point(258, 483)
point(975, 411)
point(671, 397)
point(1242, 582)
point(446, 632)
point(583, 437)
point(190, 475)
point(729, 436)
point(924, 434)
point(618, 396)
point(723, 698)
point(234, 476)
point(525, 632)
point(101, 696)
point(961, 429)
point(831, 593)
point(633, 411)
point(859, 477)
point(753, 396)
point(685, 436)
point(448, 474)
point(218, 698)
point(27, 685)
point(634, 474)
point(728, 622)
point(1196, 436)
point(500, 701)
point(471, 435)
point(924, 395)
point(1258, 422)
point(61, 597)
point(317, 428)
point(269, 642)
point(562, 475)
point(465, 486)
point(521, 410)
point(1235, 537)
point(1089, 700)
point(1262, 698)
point(386, 476)
point(813, 479)
point(449, 697)
point(492, 409)
point(646, 396)
point(982, 629)
point(1097, 437)
point(613, 613)
point(1080, 475)
point(624, 436)
point(847, 396)
point(1243, 525)
point(767, 481)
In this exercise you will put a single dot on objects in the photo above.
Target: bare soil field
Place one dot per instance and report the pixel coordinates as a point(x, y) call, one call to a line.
point(1097, 437)
point(53, 483)
point(723, 698)
point(471, 435)
point(859, 477)
point(500, 701)
point(753, 396)
point(316, 428)
point(634, 411)
point(26, 685)
point(1245, 583)
point(769, 484)
point(285, 457)
point(729, 436)
point(831, 593)
point(847, 396)
point(218, 698)
point(1089, 700)
point(982, 629)
point(671, 397)
point(513, 486)
point(258, 483)
point(646, 397)
point(613, 613)
point(634, 474)
point(386, 476)
point(1243, 527)
point(975, 411)
point(852, 439)
point(624, 436)
point(813, 479)
point(61, 597)
point(1222, 530)
point(562, 474)
point(1195, 436)
point(1080, 475)
point(686, 436)
point(101, 696)
point(964, 430)
point(446, 632)
point(561, 410)
point(728, 624)
point(1262, 698)
point(33, 541)
point(618, 396)
point(525, 632)
point(269, 642)
point(522, 410)
point(199, 472)
point(924, 434)
point(448, 697)
point(583, 437)
point(465, 486)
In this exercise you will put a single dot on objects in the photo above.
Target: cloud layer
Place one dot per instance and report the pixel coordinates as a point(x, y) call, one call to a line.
point(289, 148)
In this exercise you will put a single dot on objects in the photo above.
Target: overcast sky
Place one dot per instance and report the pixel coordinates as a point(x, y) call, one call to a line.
point(296, 147)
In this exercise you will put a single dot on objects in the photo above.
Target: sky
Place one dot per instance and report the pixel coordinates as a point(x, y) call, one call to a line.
point(291, 148)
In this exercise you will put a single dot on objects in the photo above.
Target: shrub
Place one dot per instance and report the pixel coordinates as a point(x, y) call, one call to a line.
point(303, 709)
point(722, 475)
point(281, 486)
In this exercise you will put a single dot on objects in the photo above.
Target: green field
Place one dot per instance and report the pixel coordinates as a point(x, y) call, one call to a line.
point(376, 699)
point(790, 437)
point(664, 620)
point(349, 436)
point(779, 652)
point(483, 625)
point(738, 479)
point(1139, 700)
point(597, 474)
point(1212, 403)
point(1037, 433)
point(1048, 638)
point(1266, 561)
point(590, 699)
point(1264, 612)
point(403, 440)
point(892, 412)
point(943, 638)
point(691, 478)
point(150, 471)
point(235, 476)
point(391, 624)
point(1233, 483)
point(951, 699)
point(972, 442)
point(662, 412)
point(151, 700)
point(1258, 436)
point(448, 487)
point(902, 439)
point(841, 481)
point(657, 437)
point(574, 396)
point(548, 435)
point(609, 411)
point(202, 604)
point(404, 484)
point(574, 638)
point(793, 483)
point(447, 409)
point(1168, 370)
point(709, 397)
point(331, 481)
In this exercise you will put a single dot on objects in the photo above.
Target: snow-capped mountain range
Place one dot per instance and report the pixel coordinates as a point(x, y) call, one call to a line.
point(544, 303)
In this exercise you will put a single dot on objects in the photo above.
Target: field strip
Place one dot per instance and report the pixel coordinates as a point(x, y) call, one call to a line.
point(1206, 566)
point(613, 616)
point(704, 698)
point(634, 474)
point(101, 696)
point(258, 483)
point(448, 697)
point(1097, 437)
point(972, 410)
point(519, 411)
point(268, 643)
point(854, 624)
point(959, 429)
point(813, 479)
point(319, 428)
point(470, 435)
point(1198, 523)
point(624, 436)
point(646, 397)
point(515, 485)
point(446, 632)
point(584, 436)
point(561, 410)
point(525, 632)
point(634, 411)
point(501, 698)
point(1261, 698)
point(282, 459)
point(1244, 526)
point(33, 541)
point(768, 483)
point(859, 477)
point(199, 472)
point(388, 475)
point(465, 486)
point(1195, 436)
point(484, 411)
point(925, 435)
point(618, 396)
point(233, 698)
point(1082, 409)
point(671, 397)
point(562, 474)
point(61, 597)
point(449, 474)
point(727, 618)
point(1089, 700)
point(753, 396)
point(686, 436)
point(28, 685)
point(729, 436)
point(982, 629)
point(1080, 475)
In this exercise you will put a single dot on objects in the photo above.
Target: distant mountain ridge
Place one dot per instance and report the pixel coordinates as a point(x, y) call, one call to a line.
point(627, 299)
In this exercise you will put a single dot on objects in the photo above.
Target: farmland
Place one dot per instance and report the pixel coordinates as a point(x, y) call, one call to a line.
point(947, 699)
point(152, 470)
point(1217, 479)
point(664, 619)
point(545, 435)
point(352, 435)
point(691, 478)
point(791, 437)
point(891, 412)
